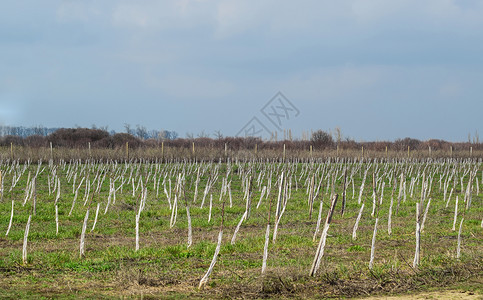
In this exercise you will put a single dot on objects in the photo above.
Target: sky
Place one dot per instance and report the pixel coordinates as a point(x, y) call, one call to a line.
point(378, 69)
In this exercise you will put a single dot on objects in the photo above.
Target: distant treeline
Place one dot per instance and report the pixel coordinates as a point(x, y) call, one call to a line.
point(22, 131)
point(82, 138)
point(32, 136)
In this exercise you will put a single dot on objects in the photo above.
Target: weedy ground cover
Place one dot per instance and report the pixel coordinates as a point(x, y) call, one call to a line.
point(165, 265)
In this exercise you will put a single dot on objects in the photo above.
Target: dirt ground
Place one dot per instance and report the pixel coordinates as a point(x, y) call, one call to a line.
point(450, 295)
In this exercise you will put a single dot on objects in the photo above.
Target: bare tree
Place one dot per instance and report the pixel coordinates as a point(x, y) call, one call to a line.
point(218, 134)
point(128, 129)
point(203, 134)
point(172, 135)
point(337, 134)
point(153, 134)
point(141, 132)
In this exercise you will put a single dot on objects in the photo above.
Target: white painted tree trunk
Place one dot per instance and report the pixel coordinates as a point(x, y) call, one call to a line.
point(373, 204)
point(11, 219)
point(458, 248)
point(425, 214)
point(277, 221)
point(56, 220)
point(449, 198)
point(205, 193)
point(356, 225)
point(264, 189)
point(320, 250)
point(95, 218)
point(83, 235)
point(174, 212)
point(205, 278)
point(211, 206)
point(137, 232)
point(196, 186)
point(265, 249)
point(190, 231)
point(58, 191)
point(109, 197)
point(418, 238)
point(73, 201)
point(373, 245)
point(229, 195)
point(389, 218)
point(319, 219)
point(359, 200)
point(25, 238)
point(455, 214)
point(238, 228)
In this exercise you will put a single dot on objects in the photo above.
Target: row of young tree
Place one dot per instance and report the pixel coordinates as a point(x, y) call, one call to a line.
point(320, 140)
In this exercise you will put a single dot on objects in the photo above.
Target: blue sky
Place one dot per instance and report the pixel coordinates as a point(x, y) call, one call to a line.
point(378, 69)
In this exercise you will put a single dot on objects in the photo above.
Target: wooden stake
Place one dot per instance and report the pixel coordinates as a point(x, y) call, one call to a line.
point(127, 150)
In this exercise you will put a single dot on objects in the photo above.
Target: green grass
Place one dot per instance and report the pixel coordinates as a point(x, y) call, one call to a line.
point(165, 266)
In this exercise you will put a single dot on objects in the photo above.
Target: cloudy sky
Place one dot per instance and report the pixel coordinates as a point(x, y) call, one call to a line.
point(377, 69)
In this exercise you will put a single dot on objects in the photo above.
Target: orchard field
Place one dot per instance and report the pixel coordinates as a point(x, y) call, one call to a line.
point(248, 228)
